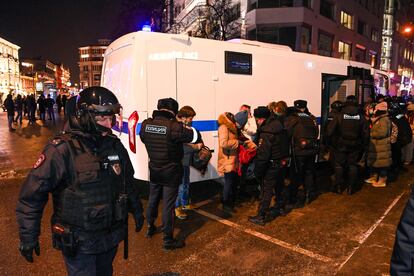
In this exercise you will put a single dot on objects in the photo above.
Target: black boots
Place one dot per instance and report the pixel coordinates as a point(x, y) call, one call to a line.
point(277, 211)
point(151, 231)
point(259, 219)
point(171, 243)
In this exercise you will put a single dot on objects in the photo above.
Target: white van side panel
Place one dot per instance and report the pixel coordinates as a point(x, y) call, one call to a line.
point(187, 68)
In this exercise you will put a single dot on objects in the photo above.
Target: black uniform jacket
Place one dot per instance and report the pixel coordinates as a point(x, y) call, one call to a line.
point(348, 134)
point(163, 137)
point(402, 260)
point(50, 174)
point(273, 145)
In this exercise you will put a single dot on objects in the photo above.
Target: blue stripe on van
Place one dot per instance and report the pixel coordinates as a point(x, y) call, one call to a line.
point(206, 125)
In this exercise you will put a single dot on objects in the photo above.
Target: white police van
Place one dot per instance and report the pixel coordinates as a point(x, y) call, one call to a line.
point(214, 77)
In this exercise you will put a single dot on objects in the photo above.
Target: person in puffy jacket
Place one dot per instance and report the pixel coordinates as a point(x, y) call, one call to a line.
point(228, 161)
point(379, 148)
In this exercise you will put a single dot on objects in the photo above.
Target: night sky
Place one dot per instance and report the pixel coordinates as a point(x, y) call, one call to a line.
point(54, 29)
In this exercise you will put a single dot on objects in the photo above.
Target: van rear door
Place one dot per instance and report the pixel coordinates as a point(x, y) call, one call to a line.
point(195, 87)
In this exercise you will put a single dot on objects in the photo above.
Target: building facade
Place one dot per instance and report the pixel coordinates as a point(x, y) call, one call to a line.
point(397, 49)
point(90, 63)
point(341, 29)
point(9, 68)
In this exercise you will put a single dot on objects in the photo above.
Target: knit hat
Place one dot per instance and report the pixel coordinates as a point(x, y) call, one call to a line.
point(382, 106)
point(169, 104)
point(241, 118)
point(300, 103)
point(261, 112)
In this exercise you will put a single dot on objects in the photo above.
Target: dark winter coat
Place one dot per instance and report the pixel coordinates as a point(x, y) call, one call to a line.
point(9, 105)
point(273, 145)
point(163, 137)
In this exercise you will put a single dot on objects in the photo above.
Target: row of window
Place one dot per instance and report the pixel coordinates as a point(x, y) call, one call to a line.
point(93, 51)
point(96, 77)
point(347, 20)
point(326, 8)
point(409, 55)
point(287, 36)
point(94, 68)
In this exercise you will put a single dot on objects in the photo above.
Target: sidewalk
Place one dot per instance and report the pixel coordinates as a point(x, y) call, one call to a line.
point(20, 149)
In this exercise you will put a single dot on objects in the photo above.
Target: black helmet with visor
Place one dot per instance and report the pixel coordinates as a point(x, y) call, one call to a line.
point(97, 101)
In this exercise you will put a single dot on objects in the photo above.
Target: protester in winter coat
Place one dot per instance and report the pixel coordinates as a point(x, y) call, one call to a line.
point(42, 107)
point(185, 115)
point(379, 149)
point(228, 161)
point(9, 105)
point(19, 109)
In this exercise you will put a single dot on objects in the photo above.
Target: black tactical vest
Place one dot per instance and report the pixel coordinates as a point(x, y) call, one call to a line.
point(350, 126)
point(305, 135)
point(87, 202)
point(159, 145)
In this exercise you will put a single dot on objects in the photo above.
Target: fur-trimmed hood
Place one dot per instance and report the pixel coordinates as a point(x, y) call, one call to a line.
point(223, 120)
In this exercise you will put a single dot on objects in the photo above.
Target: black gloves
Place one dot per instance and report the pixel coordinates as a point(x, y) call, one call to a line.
point(26, 249)
point(139, 222)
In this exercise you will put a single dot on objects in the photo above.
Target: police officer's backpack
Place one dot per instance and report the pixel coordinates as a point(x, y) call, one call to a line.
point(201, 159)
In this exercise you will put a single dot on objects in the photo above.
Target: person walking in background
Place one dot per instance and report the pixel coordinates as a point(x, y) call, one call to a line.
point(185, 115)
point(59, 103)
point(64, 100)
point(42, 107)
point(31, 107)
point(50, 102)
point(9, 105)
point(379, 149)
point(228, 161)
point(19, 109)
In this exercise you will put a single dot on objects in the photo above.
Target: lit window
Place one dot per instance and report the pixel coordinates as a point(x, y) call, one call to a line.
point(346, 20)
point(344, 50)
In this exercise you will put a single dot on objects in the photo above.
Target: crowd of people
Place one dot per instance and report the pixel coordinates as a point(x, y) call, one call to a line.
point(272, 148)
point(31, 108)
point(275, 148)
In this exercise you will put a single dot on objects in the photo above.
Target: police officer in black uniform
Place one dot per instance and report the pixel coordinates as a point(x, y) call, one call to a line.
point(397, 116)
point(303, 134)
point(163, 137)
point(349, 133)
point(90, 176)
point(270, 163)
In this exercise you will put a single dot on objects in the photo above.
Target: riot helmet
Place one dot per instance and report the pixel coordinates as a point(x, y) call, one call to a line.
point(337, 106)
point(97, 101)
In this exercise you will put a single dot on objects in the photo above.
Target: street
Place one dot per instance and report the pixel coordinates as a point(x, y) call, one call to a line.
point(334, 234)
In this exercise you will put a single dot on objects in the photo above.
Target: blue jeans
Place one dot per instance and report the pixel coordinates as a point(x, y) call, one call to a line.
point(19, 116)
point(183, 197)
point(229, 187)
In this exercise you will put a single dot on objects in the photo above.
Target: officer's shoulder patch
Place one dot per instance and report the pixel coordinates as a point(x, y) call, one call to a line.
point(56, 141)
point(39, 161)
